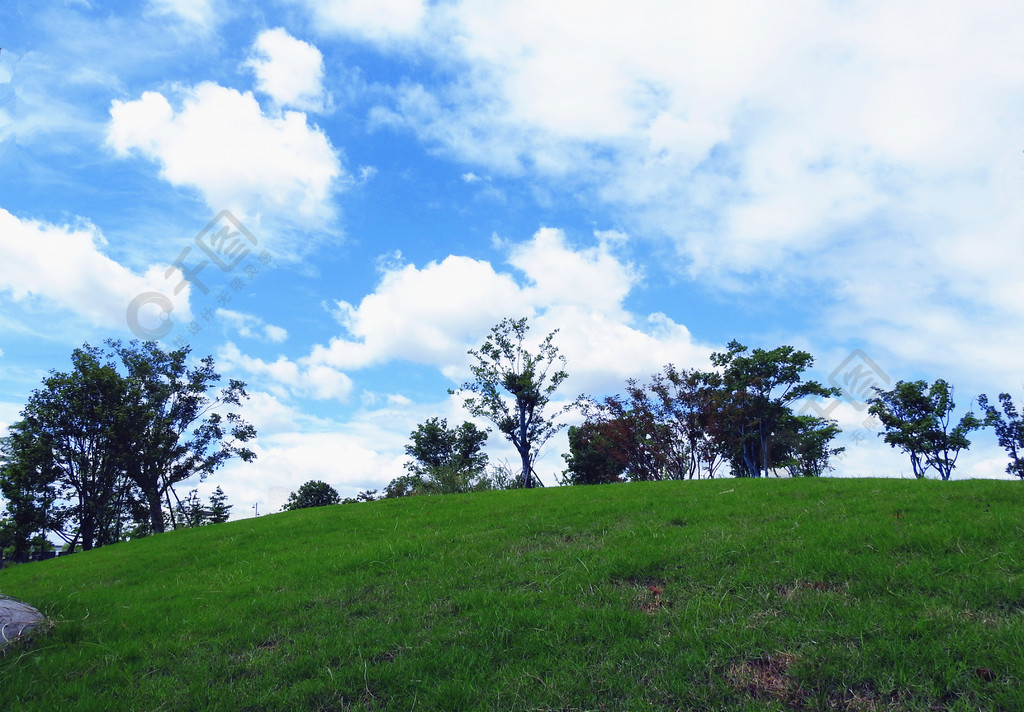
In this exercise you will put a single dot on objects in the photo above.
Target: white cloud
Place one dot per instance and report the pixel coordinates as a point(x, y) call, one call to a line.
point(252, 327)
point(423, 315)
point(865, 155)
point(433, 314)
point(64, 265)
point(284, 377)
point(289, 70)
point(375, 20)
point(221, 143)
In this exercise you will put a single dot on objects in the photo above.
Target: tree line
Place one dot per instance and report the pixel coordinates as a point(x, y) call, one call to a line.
point(98, 449)
point(737, 416)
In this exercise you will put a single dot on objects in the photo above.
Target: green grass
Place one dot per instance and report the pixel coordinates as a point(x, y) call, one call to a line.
point(724, 594)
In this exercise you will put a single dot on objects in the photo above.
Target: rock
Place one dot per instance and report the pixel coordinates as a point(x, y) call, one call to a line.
point(16, 618)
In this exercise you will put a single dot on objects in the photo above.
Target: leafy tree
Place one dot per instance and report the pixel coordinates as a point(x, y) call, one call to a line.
point(312, 494)
point(591, 459)
point(404, 486)
point(511, 387)
point(190, 511)
point(917, 417)
point(637, 438)
point(219, 509)
point(754, 417)
point(369, 495)
point(447, 460)
point(1009, 427)
point(110, 445)
point(807, 439)
point(29, 493)
point(71, 434)
point(688, 402)
point(176, 430)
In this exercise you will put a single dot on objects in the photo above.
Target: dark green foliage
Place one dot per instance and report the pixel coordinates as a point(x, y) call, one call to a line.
point(99, 449)
point(1009, 427)
point(369, 495)
point(756, 429)
point(177, 431)
point(591, 459)
point(808, 440)
point(685, 423)
point(312, 494)
point(447, 460)
point(504, 367)
point(219, 510)
point(917, 417)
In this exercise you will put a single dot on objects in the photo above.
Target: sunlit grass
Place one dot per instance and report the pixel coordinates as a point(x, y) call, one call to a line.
point(780, 594)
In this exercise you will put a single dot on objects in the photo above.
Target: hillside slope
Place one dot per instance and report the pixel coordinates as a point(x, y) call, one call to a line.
point(738, 594)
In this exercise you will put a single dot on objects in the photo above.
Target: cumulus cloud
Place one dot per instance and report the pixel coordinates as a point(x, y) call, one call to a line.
point(288, 70)
point(65, 266)
point(867, 158)
point(221, 143)
point(433, 314)
point(285, 377)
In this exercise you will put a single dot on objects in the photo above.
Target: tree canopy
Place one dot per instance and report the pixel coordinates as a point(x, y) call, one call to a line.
point(1009, 428)
point(917, 418)
point(314, 493)
point(512, 387)
point(99, 448)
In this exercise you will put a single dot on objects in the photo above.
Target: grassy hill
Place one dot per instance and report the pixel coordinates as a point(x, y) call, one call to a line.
point(722, 594)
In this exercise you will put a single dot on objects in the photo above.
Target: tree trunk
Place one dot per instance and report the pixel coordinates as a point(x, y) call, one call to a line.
point(156, 510)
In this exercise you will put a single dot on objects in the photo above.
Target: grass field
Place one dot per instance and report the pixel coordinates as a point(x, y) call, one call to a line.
point(724, 594)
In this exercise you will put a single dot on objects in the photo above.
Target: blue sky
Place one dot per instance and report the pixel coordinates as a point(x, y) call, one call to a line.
point(654, 181)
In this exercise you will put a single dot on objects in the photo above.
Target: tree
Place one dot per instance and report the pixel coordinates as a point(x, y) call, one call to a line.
point(190, 511)
point(176, 430)
point(688, 402)
point(312, 494)
point(113, 435)
point(70, 435)
point(754, 416)
point(916, 417)
point(447, 460)
point(1009, 427)
point(807, 440)
point(635, 436)
point(511, 387)
point(29, 494)
point(219, 509)
point(591, 459)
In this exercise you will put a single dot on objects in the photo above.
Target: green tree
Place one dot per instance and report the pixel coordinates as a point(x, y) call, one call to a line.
point(176, 430)
point(29, 495)
point(113, 435)
point(312, 494)
point(219, 509)
point(70, 434)
point(512, 387)
point(917, 419)
point(447, 460)
point(190, 511)
point(755, 426)
point(591, 459)
point(1009, 428)
point(807, 440)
